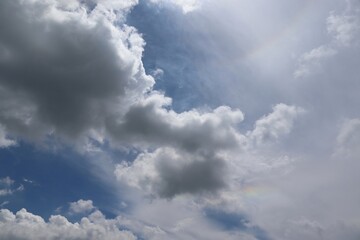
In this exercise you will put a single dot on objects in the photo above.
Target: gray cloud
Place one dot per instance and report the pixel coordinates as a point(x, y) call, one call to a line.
point(170, 172)
point(65, 72)
point(151, 123)
point(216, 146)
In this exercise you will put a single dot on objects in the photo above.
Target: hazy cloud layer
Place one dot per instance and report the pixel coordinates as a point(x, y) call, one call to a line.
point(343, 28)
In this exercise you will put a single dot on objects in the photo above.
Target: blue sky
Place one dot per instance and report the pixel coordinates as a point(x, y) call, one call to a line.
point(179, 119)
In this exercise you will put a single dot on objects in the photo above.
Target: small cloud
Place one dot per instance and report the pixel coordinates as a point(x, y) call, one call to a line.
point(28, 181)
point(311, 60)
point(157, 73)
point(7, 187)
point(7, 181)
point(4, 140)
point(4, 203)
point(274, 125)
point(81, 206)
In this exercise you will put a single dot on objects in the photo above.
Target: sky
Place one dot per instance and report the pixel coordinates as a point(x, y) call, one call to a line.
point(179, 119)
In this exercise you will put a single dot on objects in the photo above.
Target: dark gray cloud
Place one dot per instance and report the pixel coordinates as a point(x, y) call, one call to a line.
point(69, 71)
point(170, 172)
point(178, 176)
point(195, 151)
point(150, 122)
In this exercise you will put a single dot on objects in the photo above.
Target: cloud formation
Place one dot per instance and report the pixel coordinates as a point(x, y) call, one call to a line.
point(202, 150)
point(79, 76)
point(81, 206)
point(72, 71)
point(344, 31)
point(4, 140)
point(25, 225)
point(63, 70)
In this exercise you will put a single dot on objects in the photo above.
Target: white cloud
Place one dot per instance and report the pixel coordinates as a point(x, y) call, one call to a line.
point(25, 225)
point(278, 123)
point(4, 140)
point(81, 206)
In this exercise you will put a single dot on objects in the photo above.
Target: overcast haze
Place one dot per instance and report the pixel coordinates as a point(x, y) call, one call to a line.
point(180, 119)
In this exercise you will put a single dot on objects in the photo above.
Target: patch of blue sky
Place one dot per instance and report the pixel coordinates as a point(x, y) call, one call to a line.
point(202, 67)
point(168, 47)
point(52, 180)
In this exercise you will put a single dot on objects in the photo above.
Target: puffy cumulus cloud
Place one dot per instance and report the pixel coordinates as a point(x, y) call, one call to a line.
point(63, 71)
point(81, 206)
point(168, 172)
point(25, 225)
point(149, 122)
point(190, 147)
point(72, 71)
point(202, 153)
